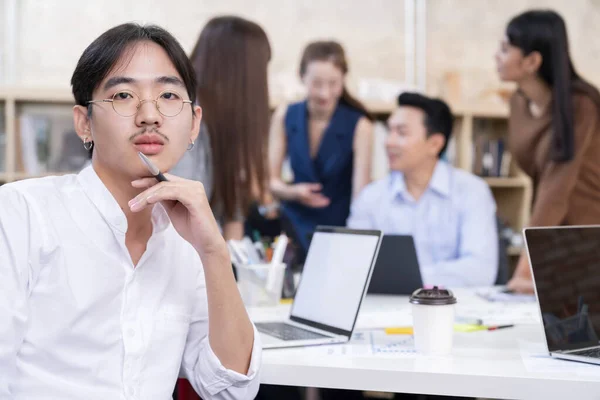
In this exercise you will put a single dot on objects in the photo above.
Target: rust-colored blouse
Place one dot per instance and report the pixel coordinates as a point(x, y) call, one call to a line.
point(564, 193)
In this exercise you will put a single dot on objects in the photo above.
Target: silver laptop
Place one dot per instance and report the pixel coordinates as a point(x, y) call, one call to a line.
point(335, 278)
point(565, 263)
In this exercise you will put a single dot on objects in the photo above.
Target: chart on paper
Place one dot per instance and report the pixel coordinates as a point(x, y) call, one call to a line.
point(381, 343)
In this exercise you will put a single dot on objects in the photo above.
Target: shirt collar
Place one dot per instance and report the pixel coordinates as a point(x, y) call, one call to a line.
point(108, 207)
point(440, 181)
point(397, 184)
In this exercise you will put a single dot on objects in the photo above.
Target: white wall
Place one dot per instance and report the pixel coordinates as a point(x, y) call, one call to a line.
point(462, 34)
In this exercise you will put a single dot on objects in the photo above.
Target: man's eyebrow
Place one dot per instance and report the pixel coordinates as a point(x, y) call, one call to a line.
point(170, 80)
point(117, 80)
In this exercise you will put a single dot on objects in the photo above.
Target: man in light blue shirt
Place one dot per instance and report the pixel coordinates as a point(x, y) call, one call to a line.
point(450, 213)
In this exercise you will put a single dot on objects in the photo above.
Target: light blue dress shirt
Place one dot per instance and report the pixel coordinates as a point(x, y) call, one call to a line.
point(453, 224)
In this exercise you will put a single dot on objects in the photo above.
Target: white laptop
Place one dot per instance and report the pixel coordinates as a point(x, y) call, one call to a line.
point(335, 278)
point(565, 263)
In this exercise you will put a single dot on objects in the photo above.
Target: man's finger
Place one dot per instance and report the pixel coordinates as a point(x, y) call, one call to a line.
point(144, 183)
point(148, 192)
point(151, 181)
point(165, 193)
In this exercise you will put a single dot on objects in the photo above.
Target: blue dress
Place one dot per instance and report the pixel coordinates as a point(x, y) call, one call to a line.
point(332, 167)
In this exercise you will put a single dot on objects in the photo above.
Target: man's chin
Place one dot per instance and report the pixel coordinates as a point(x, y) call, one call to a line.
point(394, 163)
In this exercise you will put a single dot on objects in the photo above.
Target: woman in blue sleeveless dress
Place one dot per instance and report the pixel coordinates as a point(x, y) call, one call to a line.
point(328, 139)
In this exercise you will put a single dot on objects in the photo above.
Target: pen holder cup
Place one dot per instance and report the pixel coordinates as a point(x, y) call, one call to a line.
point(260, 284)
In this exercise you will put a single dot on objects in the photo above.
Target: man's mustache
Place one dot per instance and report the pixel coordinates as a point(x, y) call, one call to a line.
point(148, 131)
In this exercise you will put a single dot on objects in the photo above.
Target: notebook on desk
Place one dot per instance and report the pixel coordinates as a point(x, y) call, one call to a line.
point(565, 265)
point(334, 282)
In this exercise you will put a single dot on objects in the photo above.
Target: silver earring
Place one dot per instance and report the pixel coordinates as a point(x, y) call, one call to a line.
point(191, 145)
point(88, 144)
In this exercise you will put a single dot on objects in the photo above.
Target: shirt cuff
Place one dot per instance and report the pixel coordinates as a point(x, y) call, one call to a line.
point(219, 378)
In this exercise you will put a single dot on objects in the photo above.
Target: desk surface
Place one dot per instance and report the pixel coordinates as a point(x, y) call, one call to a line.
point(507, 364)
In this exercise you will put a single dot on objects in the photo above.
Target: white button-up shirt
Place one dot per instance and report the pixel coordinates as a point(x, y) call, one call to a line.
point(78, 321)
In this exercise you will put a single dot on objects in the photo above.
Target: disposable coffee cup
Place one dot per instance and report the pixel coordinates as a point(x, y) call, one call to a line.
point(433, 320)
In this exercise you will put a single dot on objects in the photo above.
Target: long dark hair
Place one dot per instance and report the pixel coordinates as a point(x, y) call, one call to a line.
point(333, 52)
point(230, 59)
point(545, 31)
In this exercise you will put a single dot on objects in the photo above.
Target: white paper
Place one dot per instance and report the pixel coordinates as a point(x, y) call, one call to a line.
point(500, 313)
point(536, 358)
point(497, 295)
point(369, 343)
point(382, 344)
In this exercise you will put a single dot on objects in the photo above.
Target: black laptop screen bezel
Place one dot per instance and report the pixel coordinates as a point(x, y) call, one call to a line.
point(552, 348)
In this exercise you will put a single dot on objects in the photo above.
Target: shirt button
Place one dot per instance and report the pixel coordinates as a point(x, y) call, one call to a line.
point(131, 333)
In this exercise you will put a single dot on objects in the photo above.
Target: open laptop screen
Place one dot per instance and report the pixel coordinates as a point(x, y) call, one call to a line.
point(334, 278)
point(566, 267)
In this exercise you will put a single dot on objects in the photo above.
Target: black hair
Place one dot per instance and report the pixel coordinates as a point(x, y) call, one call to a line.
point(545, 31)
point(102, 55)
point(438, 116)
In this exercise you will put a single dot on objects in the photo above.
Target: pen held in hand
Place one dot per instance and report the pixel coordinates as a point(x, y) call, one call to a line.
point(152, 168)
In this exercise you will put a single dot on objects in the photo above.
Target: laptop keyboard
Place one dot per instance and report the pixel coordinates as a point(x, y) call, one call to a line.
point(284, 331)
point(593, 353)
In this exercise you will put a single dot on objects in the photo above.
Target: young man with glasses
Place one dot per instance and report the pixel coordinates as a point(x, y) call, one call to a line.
point(111, 283)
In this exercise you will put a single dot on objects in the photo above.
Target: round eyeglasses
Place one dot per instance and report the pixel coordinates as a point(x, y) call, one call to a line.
point(126, 103)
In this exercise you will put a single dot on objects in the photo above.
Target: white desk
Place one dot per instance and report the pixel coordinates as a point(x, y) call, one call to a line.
point(489, 364)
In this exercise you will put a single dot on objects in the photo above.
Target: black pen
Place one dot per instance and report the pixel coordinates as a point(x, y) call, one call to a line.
point(152, 168)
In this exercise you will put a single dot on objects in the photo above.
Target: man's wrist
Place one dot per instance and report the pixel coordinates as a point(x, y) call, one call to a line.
point(214, 253)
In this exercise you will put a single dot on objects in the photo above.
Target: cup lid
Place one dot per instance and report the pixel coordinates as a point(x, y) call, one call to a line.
point(433, 297)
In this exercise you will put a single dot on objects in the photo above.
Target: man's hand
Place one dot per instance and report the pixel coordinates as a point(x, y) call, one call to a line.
point(189, 210)
point(230, 331)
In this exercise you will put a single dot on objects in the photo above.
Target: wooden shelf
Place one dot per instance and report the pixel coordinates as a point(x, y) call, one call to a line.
point(6, 177)
point(509, 182)
point(380, 107)
point(459, 110)
point(42, 95)
point(65, 96)
point(23, 175)
point(494, 111)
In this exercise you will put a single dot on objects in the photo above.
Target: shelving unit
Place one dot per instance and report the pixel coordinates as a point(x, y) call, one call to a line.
point(18, 100)
point(513, 193)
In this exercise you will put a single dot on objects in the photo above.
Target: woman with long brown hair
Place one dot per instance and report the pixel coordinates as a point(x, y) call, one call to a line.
point(328, 138)
point(230, 59)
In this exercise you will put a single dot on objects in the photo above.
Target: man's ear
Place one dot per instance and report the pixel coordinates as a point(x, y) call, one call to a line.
point(82, 123)
point(196, 120)
point(436, 143)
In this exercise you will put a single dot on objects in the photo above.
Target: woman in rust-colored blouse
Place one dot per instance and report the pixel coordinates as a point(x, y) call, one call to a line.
point(554, 126)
